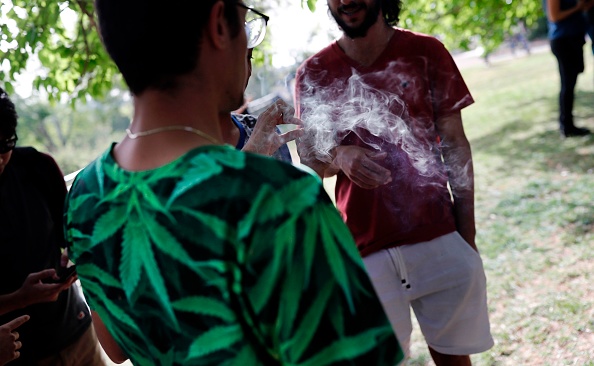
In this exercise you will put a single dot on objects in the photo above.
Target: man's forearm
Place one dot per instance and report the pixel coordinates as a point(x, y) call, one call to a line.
point(464, 215)
point(458, 161)
point(461, 178)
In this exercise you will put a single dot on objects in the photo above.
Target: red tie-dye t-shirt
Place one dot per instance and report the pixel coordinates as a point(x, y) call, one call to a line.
point(392, 106)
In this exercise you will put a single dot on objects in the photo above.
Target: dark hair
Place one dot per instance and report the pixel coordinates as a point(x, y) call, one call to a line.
point(8, 116)
point(153, 42)
point(391, 10)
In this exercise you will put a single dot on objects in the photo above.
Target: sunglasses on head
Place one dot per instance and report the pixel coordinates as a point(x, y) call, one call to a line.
point(7, 145)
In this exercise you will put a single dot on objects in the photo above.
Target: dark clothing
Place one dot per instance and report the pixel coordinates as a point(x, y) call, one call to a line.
point(573, 26)
point(567, 39)
point(570, 57)
point(32, 193)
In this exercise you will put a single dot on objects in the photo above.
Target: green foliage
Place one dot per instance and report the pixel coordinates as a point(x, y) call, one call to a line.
point(311, 4)
point(73, 137)
point(62, 37)
point(466, 23)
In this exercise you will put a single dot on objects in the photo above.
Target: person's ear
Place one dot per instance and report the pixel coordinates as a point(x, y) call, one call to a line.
point(218, 32)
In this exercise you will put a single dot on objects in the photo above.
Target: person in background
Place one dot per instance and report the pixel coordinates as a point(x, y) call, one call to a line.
point(32, 193)
point(567, 33)
point(519, 36)
point(191, 252)
point(381, 109)
point(267, 139)
point(9, 339)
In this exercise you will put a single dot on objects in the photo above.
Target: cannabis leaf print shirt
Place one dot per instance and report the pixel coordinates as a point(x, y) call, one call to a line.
point(223, 258)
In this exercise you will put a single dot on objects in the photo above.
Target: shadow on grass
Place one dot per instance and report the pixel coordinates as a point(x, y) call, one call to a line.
point(526, 143)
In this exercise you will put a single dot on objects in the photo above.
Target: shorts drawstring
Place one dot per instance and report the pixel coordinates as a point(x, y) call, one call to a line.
point(396, 255)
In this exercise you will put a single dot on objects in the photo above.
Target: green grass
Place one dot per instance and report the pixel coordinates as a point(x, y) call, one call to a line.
point(535, 213)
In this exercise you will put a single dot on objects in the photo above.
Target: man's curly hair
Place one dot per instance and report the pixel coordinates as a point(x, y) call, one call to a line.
point(8, 116)
point(391, 11)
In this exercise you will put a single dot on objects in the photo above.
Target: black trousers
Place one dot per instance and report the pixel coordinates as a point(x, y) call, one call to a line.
point(570, 57)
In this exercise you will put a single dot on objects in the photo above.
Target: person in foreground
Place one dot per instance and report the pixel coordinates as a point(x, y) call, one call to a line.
point(191, 252)
point(32, 193)
point(392, 101)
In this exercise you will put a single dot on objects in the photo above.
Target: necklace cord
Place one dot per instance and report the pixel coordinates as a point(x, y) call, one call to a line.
point(193, 130)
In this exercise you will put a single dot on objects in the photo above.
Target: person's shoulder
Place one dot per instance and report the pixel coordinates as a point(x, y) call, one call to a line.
point(423, 45)
point(25, 152)
point(282, 184)
point(320, 59)
point(244, 167)
point(277, 173)
point(32, 156)
point(417, 37)
point(330, 48)
point(89, 173)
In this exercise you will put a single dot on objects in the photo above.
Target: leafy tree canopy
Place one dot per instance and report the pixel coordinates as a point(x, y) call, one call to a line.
point(462, 24)
point(61, 39)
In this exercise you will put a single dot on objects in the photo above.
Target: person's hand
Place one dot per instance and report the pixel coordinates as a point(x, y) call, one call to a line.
point(361, 167)
point(34, 290)
point(264, 139)
point(9, 343)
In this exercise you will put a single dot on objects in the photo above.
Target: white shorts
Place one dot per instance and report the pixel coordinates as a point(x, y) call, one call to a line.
point(443, 280)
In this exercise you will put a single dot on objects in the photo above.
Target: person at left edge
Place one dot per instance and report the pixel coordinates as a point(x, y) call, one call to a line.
point(32, 193)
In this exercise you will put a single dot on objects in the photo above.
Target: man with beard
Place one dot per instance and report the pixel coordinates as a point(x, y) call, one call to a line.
point(389, 101)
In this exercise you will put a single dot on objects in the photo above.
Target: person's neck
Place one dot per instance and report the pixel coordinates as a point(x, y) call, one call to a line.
point(154, 110)
point(366, 50)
